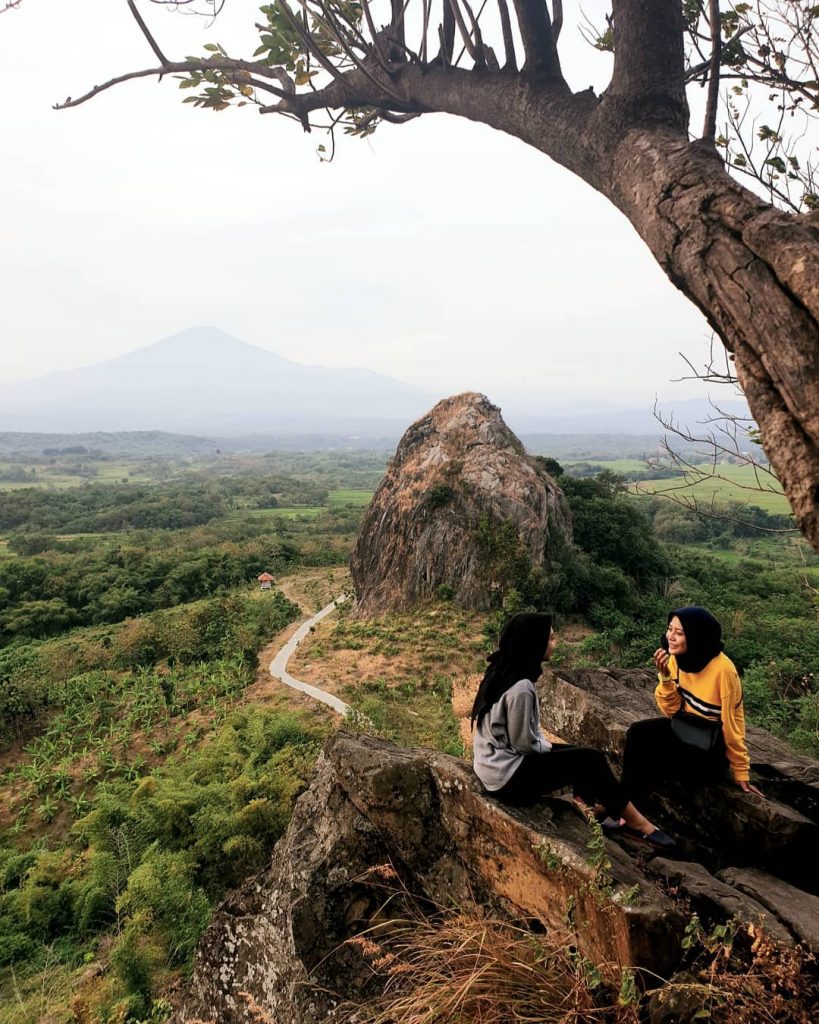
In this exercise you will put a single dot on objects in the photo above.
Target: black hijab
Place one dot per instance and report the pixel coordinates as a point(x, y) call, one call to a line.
point(521, 649)
point(703, 637)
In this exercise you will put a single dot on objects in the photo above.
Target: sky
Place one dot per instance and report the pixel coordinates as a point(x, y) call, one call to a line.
point(440, 252)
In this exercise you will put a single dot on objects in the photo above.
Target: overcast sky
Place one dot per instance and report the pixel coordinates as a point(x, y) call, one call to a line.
point(440, 252)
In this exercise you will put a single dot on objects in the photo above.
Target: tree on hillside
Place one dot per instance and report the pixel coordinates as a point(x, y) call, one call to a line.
point(749, 265)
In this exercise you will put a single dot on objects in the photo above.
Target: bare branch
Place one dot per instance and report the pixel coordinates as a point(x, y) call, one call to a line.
point(309, 42)
point(709, 130)
point(714, 510)
point(446, 35)
point(459, 21)
point(510, 63)
point(385, 115)
point(376, 38)
point(145, 31)
point(557, 19)
point(725, 438)
point(214, 6)
point(397, 33)
point(537, 37)
point(426, 10)
point(336, 32)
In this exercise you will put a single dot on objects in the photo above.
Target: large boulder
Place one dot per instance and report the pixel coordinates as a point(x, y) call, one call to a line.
point(461, 505)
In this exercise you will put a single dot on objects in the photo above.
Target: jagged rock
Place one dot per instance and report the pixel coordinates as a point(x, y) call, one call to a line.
point(715, 900)
point(281, 938)
point(798, 910)
point(718, 825)
point(498, 846)
point(460, 500)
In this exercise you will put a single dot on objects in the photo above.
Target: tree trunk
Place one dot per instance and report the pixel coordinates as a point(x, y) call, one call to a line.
point(754, 273)
point(752, 270)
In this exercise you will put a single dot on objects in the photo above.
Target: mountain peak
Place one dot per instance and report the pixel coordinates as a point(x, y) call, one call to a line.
point(202, 346)
point(203, 380)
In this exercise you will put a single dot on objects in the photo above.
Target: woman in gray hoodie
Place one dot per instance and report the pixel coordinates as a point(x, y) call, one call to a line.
point(514, 760)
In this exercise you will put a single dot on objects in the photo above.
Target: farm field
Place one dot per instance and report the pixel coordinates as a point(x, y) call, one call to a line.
point(56, 478)
point(356, 497)
point(738, 485)
point(294, 512)
point(767, 556)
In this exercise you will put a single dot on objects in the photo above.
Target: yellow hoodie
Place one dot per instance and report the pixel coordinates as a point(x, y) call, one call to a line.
point(715, 693)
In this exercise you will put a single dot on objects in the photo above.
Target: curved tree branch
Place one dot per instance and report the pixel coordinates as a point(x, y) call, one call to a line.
point(226, 65)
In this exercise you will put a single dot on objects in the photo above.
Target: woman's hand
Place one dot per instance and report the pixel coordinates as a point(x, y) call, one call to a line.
point(746, 787)
point(661, 661)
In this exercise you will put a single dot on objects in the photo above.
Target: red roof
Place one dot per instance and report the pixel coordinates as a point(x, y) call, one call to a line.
point(265, 578)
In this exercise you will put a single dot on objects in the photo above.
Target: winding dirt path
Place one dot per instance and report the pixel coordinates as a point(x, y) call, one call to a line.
point(278, 666)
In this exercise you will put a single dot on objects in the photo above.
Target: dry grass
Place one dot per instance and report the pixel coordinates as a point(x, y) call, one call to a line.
point(470, 968)
point(463, 697)
point(467, 969)
point(398, 670)
point(313, 589)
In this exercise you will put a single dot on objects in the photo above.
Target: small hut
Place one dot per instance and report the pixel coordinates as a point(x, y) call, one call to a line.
point(265, 581)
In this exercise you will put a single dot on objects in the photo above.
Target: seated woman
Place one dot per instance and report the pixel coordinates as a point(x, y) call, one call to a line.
point(702, 733)
point(514, 760)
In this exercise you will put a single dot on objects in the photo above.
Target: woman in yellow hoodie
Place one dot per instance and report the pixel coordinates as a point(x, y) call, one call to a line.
point(702, 733)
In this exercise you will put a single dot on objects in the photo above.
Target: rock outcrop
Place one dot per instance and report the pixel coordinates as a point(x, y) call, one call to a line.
point(460, 506)
point(385, 832)
point(280, 940)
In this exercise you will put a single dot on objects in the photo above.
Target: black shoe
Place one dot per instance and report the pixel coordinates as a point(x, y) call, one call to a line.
point(658, 839)
point(611, 826)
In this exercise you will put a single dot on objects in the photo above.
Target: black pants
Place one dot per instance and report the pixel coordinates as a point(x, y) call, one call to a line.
point(654, 755)
point(585, 769)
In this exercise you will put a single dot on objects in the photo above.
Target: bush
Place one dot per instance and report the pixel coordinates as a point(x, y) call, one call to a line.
point(154, 854)
point(41, 675)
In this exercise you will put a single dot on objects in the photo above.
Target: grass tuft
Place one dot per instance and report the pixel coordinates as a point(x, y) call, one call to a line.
point(463, 968)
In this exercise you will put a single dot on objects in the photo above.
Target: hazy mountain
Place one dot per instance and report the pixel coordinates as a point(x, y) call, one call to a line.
point(203, 380)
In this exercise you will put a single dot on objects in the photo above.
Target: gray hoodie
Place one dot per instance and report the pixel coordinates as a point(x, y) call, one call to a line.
point(508, 730)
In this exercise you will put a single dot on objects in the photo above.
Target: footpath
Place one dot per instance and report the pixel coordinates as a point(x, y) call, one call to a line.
point(278, 666)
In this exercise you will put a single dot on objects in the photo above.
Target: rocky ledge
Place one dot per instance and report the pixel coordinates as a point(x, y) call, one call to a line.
point(718, 826)
point(278, 945)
